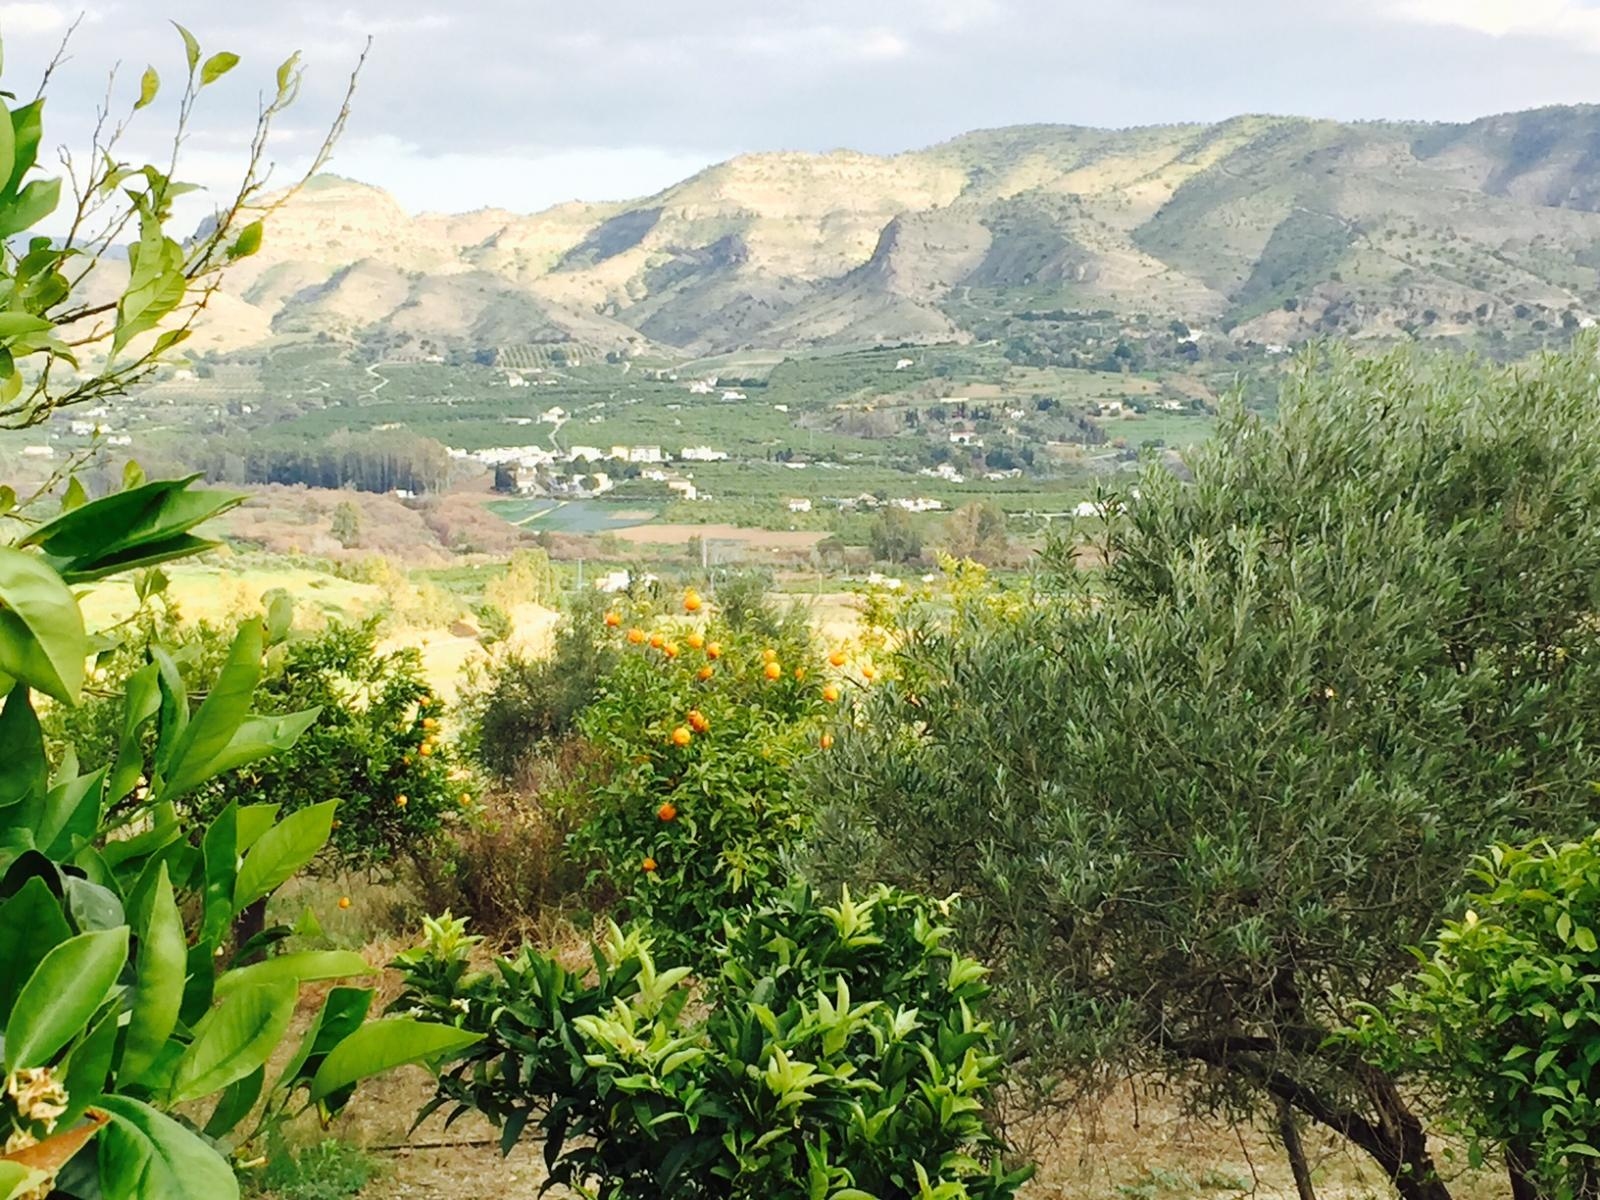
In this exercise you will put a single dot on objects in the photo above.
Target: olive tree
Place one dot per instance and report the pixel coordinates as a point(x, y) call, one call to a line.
point(1202, 801)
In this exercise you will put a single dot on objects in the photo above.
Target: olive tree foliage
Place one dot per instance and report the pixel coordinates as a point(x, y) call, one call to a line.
point(1201, 803)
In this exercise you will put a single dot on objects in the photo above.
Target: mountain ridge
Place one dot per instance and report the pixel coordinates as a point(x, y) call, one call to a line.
point(1267, 227)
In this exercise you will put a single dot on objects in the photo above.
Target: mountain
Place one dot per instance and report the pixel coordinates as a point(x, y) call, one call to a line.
point(1271, 227)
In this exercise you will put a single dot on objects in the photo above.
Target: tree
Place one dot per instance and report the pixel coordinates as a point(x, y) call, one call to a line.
point(346, 527)
point(977, 531)
point(894, 537)
point(124, 1012)
point(1202, 810)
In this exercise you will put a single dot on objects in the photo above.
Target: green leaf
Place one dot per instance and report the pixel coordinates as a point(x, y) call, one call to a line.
point(255, 820)
point(8, 147)
point(61, 995)
point(30, 206)
point(16, 324)
point(152, 513)
point(220, 849)
point(233, 1039)
point(283, 850)
point(1583, 937)
point(191, 48)
point(340, 1016)
point(305, 966)
point(159, 976)
point(382, 1046)
point(217, 66)
point(140, 704)
point(24, 770)
point(235, 1103)
point(145, 1155)
point(248, 241)
point(17, 1180)
point(31, 925)
point(27, 129)
point(42, 641)
point(149, 85)
point(73, 499)
point(88, 1064)
point(286, 72)
point(211, 728)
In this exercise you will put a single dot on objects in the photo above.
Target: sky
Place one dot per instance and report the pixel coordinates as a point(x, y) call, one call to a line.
point(525, 103)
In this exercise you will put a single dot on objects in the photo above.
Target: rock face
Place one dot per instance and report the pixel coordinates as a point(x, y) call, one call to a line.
point(1209, 222)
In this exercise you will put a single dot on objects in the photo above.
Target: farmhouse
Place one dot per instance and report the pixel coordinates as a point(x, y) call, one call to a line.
point(799, 505)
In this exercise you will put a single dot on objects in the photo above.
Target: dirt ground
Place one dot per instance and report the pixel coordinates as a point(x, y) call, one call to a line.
point(1126, 1151)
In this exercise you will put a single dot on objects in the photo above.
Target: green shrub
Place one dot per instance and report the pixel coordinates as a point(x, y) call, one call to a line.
point(839, 1053)
point(328, 1170)
point(1201, 804)
point(1501, 1017)
point(518, 707)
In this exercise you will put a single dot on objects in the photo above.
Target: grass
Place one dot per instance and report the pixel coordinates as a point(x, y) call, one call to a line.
point(326, 1170)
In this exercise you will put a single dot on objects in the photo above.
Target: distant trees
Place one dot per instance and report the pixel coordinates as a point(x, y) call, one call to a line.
point(894, 537)
point(347, 524)
point(977, 531)
point(368, 461)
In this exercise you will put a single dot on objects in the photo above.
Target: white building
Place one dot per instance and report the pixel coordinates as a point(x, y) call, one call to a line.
point(587, 454)
point(780, 408)
point(515, 380)
point(38, 452)
point(703, 387)
point(703, 454)
point(734, 395)
point(684, 488)
point(903, 364)
point(965, 437)
point(919, 505)
point(799, 504)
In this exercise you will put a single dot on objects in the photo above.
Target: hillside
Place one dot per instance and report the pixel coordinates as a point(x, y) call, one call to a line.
point(1271, 228)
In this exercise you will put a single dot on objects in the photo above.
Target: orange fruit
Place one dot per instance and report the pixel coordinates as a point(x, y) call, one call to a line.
point(696, 641)
point(401, 801)
point(670, 650)
point(429, 723)
point(425, 749)
point(837, 658)
point(466, 799)
point(868, 674)
point(714, 650)
point(344, 901)
point(697, 721)
point(705, 673)
point(774, 671)
point(827, 741)
point(830, 694)
point(613, 619)
point(667, 812)
point(635, 636)
point(681, 736)
point(649, 864)
point(657, 641)
point(691, 601)
point(799, 672)
point(769, 655)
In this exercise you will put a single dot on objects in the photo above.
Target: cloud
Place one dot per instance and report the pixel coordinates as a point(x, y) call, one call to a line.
point(1555, 20)
point(25, 19)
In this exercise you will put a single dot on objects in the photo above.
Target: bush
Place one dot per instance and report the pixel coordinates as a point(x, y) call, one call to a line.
point(838, 1053)
point(1202, 804)
point(519, 707)
point(693, 797)
point(1500, 1018)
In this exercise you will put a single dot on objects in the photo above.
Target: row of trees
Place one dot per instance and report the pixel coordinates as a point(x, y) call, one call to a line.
point(372, 461)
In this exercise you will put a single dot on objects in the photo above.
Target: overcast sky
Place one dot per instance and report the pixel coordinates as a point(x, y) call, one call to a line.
point(525, 103)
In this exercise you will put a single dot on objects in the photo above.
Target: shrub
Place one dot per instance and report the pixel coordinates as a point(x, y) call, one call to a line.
point(1201, 804)
point(693, 797)
point(519, 707)
point(839, 1053)
point(1500, 1018)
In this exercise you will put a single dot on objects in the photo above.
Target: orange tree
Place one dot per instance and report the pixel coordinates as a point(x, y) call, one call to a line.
point(694, 801)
